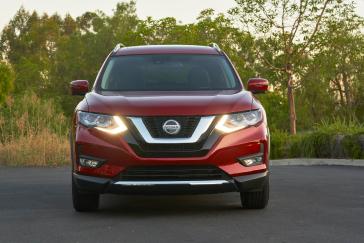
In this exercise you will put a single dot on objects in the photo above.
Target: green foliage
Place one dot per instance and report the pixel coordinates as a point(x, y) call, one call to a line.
point(353, 145)
point(6, 81)
point(299, 42)
point(340, 126)
point(339, 139)
point(276, 108)
point(316, 145)
point(278, 144)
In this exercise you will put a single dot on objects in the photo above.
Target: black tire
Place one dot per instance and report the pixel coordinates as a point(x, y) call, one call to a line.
point(255, 199)
point(84, 202)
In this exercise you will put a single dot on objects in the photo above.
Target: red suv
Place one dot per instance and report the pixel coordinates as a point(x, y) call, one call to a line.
point(169, 119)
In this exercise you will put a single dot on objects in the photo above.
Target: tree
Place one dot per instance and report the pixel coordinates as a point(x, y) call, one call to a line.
point(6, 80)
point(308, 50)
point(338, 68)
point(287, 31)
point(28, 42)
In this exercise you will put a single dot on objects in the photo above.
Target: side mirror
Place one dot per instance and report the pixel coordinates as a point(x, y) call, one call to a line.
point(258, 85)
point(79, 87)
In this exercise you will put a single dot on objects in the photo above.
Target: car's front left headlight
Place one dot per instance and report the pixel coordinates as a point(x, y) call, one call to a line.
point(105, 123)
point(236, 121)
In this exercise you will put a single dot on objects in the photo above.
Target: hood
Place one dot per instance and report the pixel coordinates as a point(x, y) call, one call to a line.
point(170, 103)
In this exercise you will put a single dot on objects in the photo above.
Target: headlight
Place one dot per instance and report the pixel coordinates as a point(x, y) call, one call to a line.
point(236, 121)
point(105, 123)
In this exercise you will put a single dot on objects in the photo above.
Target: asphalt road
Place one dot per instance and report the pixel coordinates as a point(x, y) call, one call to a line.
point(308, 204)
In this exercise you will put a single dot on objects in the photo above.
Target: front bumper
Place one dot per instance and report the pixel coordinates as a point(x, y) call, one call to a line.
point(252, 182)
point(119, 155)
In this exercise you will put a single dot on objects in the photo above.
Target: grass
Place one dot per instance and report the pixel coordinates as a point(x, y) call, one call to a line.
point(41, 149)
point(33, 132)
point(340, 126)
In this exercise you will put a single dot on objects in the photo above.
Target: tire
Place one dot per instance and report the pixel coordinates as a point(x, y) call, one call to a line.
point(84, 202)
point(255, 199)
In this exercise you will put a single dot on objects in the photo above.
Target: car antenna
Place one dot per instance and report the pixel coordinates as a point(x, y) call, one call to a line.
point(216, 46)
point(118, 46)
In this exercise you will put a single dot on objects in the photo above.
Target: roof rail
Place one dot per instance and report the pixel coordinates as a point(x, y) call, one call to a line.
point(118, 46)
point(216, 46)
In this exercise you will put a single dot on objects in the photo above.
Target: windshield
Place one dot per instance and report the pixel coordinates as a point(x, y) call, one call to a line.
point(172, 72)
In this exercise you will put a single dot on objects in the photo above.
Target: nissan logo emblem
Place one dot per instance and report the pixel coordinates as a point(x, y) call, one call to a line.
point(171, 127)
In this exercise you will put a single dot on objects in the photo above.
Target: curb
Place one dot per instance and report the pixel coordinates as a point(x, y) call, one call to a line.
point(303, 161)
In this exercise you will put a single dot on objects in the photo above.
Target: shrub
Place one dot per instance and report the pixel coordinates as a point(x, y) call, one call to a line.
point(279, 144)
point(316, 145)
point(353, 146)
point(339, 139)
point(6, 80)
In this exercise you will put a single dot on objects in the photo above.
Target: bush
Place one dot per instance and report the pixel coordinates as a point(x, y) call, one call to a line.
point(316, 145)
point(339, 139)
point(353, 146)
point(6, 80)
point(279, 144)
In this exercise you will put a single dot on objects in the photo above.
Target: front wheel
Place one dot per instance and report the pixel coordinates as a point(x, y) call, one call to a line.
point(255, 199)
point(83, 201)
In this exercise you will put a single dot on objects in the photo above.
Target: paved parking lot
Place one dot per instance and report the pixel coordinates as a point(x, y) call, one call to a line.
point(308, 204)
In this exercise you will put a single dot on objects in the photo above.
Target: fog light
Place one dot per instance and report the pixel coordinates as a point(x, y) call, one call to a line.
point(92, 163)
point(256, 159)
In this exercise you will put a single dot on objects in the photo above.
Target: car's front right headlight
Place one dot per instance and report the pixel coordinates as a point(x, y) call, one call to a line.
point(236, 121)
point(105, 123)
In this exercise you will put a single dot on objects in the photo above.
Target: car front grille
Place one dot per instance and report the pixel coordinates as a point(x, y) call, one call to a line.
point(155, 126)
point(170, 150)
point(185, 172)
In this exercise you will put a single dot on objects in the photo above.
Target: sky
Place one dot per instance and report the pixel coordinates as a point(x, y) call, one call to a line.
point(183, 10)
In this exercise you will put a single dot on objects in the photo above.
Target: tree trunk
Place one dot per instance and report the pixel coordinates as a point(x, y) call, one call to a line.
point(347, 89)
point(339, 88)
point(291, 103)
